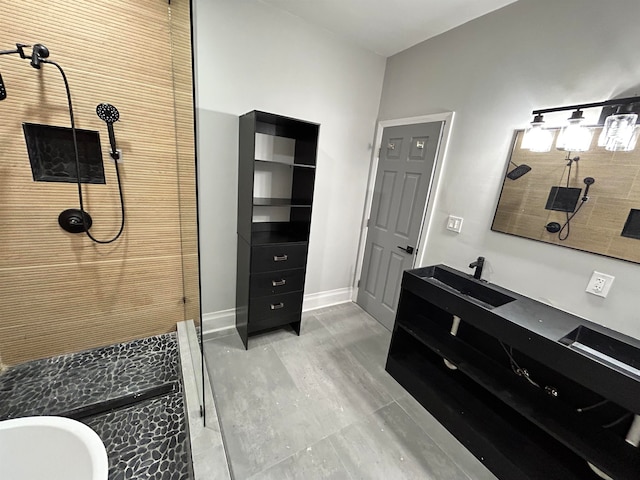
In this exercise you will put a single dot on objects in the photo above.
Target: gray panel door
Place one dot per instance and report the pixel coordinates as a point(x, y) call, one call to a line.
point(400, 193)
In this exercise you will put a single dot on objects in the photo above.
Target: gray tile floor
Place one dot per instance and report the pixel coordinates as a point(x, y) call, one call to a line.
point(322, 406)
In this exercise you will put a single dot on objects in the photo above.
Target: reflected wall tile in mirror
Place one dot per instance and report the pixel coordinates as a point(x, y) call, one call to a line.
point(596, 227)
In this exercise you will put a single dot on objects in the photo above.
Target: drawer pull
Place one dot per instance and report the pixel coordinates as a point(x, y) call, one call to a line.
point(280, 258)
point(277, 306)
point(278, 283)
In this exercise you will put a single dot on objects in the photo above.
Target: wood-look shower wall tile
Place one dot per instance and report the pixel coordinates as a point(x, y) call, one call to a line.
point(108, 302)
point(59, 291)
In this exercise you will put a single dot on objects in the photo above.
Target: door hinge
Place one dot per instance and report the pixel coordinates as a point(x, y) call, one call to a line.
point(379, 152)
point(368, 222)
point(358, 283)
point(184, 299)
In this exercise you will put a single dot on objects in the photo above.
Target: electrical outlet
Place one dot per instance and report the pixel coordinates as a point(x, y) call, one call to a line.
point(454, 224)
point(600, 284)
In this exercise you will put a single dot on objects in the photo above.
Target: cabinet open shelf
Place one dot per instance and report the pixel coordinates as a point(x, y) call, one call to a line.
point(269, 238)
point(506, 443)
point(281, 202)
point(604, 450)
point(287, 164)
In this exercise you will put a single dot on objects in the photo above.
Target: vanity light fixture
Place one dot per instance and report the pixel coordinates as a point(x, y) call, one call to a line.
point(619, 132)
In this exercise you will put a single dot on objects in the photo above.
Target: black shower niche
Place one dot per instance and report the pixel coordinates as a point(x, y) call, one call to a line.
point(52, 155)
point(632, 225)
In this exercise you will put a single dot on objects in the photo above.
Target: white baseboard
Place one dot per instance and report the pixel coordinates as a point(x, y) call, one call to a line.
point(314, 301)
point(215, 322)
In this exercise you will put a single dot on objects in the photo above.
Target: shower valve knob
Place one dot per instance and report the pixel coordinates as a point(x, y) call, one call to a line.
point(74, 220)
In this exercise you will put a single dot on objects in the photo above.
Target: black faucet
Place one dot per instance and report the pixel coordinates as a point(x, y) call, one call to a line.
point(478, 264)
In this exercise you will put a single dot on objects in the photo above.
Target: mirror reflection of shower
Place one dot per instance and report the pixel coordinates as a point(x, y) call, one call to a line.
point(74, 220)
point(565, 199)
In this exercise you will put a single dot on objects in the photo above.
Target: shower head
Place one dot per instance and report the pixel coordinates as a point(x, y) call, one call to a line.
point(588, 181)
point(519, 171)
point(38, 53)
point(107, 113)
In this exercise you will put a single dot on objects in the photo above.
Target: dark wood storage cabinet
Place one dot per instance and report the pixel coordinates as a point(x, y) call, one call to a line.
point(276, 175)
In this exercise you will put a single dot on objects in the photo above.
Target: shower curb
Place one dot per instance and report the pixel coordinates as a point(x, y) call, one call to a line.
point(209, 459)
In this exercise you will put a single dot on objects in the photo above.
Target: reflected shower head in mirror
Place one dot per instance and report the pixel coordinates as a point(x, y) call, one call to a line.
point(588, 181)
point(519, 171)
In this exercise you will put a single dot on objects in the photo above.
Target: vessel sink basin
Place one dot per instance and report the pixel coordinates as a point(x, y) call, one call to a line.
point(468, 286)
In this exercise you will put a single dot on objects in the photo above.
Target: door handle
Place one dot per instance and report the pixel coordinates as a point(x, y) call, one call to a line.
point(278, 283)
point(277, 306)
point(280, 258)
point(409, 249)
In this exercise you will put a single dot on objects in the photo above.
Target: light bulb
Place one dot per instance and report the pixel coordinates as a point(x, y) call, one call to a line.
point(575, 137)
point(536, 138)
point(618, 132)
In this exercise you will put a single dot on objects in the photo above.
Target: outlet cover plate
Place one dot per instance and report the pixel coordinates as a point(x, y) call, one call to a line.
point(600, 284)
point(454, 224)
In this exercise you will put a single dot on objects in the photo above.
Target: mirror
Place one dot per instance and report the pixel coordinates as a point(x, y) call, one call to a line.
point(588, 201)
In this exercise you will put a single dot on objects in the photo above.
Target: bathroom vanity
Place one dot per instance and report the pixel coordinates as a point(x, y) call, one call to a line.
point(533, 392)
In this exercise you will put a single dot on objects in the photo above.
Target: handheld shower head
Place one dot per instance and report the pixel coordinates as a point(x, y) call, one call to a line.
point(107, 113)
point(588, 181)
point(38, 53)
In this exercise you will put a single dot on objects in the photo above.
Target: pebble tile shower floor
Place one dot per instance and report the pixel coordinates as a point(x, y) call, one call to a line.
point(130, 394)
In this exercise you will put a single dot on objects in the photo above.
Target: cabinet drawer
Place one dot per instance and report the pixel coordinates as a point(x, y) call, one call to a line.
point(268, 258)
point(274, 306)
point(276, 283)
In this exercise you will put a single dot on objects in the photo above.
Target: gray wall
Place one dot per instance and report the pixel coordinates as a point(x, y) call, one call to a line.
point(492, 72)
point(252, 57)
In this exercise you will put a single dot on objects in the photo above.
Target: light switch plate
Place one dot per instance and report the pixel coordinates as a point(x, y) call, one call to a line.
point(600, 284)
point(454, 224)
